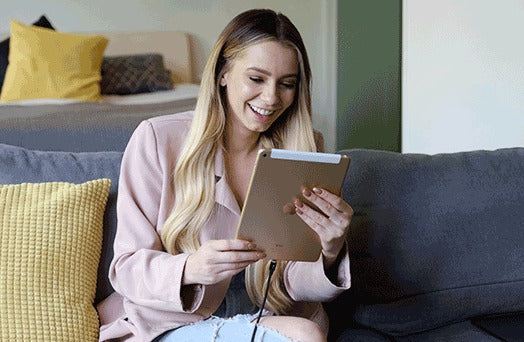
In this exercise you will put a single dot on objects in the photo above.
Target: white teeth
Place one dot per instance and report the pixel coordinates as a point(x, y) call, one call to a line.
point(261, 111)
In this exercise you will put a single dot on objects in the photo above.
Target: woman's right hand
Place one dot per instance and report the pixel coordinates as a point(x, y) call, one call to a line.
point(217, 260)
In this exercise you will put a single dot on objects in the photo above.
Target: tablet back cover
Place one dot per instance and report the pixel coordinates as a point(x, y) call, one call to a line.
point(275, 183)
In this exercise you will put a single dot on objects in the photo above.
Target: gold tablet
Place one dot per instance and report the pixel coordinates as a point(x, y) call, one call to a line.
point(268, 217)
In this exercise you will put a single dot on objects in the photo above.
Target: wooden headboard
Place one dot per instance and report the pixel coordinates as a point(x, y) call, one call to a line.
point(173, 45)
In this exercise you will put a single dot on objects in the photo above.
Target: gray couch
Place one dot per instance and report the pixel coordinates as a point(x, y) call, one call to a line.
point(436, 247)
point(436, 241)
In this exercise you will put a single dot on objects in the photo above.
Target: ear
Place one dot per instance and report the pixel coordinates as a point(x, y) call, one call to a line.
point(223, 80)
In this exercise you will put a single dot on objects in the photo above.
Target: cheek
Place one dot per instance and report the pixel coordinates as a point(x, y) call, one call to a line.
point(241, 92)
point(288, 98)
point(247, 89)
point(234, 94)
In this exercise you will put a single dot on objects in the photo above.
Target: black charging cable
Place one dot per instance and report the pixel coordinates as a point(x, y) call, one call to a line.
point(272, 266)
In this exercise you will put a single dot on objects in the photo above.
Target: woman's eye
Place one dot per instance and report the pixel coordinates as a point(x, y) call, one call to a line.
point(289, 85)
point(256, 79)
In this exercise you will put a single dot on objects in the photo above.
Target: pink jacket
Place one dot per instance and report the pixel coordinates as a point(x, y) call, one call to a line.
point(149, 297)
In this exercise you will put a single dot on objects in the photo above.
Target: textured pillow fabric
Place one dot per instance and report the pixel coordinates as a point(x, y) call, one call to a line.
point(48, 64)
point(4, 47)
point(434, 239)
point(51, 235)
point(134, 74)
point(20, 165)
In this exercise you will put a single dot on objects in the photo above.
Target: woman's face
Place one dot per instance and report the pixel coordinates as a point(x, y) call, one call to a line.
point(260, 85)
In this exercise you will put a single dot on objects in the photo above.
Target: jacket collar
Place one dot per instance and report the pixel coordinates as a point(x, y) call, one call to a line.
point(223, 193)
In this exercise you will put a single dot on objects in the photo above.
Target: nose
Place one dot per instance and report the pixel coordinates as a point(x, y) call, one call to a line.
point(270, 95)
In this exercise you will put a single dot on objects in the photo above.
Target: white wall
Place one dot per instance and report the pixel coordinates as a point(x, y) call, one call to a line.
point(463, 75)
point(204, 19)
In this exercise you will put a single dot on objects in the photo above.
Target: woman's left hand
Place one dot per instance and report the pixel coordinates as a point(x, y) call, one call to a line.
point(331, 225)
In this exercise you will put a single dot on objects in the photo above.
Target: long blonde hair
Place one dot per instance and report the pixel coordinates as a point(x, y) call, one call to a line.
point(194, 178)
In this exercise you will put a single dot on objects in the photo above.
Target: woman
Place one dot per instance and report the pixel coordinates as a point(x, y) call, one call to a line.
point(177, 271)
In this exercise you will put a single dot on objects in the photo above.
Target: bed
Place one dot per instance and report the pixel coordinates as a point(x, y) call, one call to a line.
point(76, 126)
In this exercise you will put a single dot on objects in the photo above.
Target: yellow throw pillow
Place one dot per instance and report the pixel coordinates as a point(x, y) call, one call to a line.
point(50, 243)
point(47, 64)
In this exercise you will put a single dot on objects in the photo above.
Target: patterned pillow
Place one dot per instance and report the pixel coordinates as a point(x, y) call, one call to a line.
point(134, 74)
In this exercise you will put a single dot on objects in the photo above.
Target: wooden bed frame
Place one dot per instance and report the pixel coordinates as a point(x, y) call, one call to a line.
point(174, 46)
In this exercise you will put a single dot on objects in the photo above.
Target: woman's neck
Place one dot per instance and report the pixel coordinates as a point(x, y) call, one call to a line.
point(240, 142)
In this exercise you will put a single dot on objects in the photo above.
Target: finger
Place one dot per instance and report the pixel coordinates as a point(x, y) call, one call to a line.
point(329, 215)
point(227, 267)
point(327, 230)
point(222, 272)
point(230, 273)
point(336, 201)
point(318, 228)
point(235, 257)
point(231, 245)
point(321, 203)
point(313, 218)
point(334, 216)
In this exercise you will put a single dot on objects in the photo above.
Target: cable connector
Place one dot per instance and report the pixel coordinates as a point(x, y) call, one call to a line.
point(272, 266)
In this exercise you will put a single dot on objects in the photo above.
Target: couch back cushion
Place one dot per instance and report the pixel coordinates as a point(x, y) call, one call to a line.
point(19, 165)
point(434, 239)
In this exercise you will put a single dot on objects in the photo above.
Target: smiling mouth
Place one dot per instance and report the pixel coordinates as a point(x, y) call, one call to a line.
point(261, 111)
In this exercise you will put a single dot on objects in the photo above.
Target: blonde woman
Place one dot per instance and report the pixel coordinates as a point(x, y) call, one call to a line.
point(178, 273)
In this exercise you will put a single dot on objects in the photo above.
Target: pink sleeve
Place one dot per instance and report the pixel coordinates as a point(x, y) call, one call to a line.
point(140, 270)
point(307, 281)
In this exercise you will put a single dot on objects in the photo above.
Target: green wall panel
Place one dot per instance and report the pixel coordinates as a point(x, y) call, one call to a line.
point(369, 69)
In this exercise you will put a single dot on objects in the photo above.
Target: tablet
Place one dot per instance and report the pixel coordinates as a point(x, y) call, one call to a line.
point(268, 218)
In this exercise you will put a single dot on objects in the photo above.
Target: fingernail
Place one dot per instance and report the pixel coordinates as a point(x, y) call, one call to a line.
point(306, 192)
point(317, 190)
point(299, 211)
point(298, 203)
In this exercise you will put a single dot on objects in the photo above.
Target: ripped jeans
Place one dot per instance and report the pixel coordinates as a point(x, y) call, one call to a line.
point(238, 329)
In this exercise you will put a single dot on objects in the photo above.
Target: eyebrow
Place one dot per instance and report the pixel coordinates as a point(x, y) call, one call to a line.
point(265, 72)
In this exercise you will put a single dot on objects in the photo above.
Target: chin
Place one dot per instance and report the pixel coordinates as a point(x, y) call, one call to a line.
point(259, 129)
point(263, 127)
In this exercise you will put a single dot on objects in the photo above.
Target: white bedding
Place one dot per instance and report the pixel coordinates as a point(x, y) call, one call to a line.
point(181, 91)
